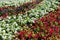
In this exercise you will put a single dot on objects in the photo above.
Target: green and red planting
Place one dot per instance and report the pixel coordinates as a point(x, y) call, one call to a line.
point(37, 20)
point(45, 28)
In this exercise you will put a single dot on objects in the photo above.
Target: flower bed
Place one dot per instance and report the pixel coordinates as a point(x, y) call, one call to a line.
point(14, 23)
point(45, 28)
point(10, 10)
point(45, 7)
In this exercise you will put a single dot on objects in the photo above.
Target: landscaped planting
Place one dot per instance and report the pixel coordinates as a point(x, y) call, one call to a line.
point(22, 26)
point(14, 2)
point(45, 28)
point(43, 7)
point(10, 10)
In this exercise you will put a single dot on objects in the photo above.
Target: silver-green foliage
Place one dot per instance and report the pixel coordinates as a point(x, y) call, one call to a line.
point(13, 2)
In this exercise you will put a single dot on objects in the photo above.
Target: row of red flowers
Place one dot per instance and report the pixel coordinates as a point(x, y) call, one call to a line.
point(46, 28)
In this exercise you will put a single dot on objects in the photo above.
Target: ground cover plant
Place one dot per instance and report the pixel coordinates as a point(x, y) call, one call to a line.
point(13, 27)
point(45, 28)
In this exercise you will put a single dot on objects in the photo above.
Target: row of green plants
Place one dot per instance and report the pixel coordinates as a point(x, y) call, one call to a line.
point(10, 10)
point(51, 5)
point(13, 2)
point(13, 24)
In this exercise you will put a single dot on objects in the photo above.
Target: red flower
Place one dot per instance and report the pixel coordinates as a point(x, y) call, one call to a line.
point(22, 33)
point(57, 29)
point(36, 35)
point(1, 8)
point(5, 15)
point(59, 22)
point(43, 37)
point(46, 24)
point(51, 13)
point(47, 18)
point(42, 19)
point(30, 35)
point(58, 11)
point(52, 19)
point(51, 31)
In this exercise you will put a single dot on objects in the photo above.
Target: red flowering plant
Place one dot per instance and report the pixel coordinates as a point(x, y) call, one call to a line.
point(46, 28)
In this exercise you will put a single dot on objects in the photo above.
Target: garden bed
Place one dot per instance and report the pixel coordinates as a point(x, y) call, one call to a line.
point(33, 22)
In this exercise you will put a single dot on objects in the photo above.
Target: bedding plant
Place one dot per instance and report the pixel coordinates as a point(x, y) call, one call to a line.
point(45, 28)
point(21, 26)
